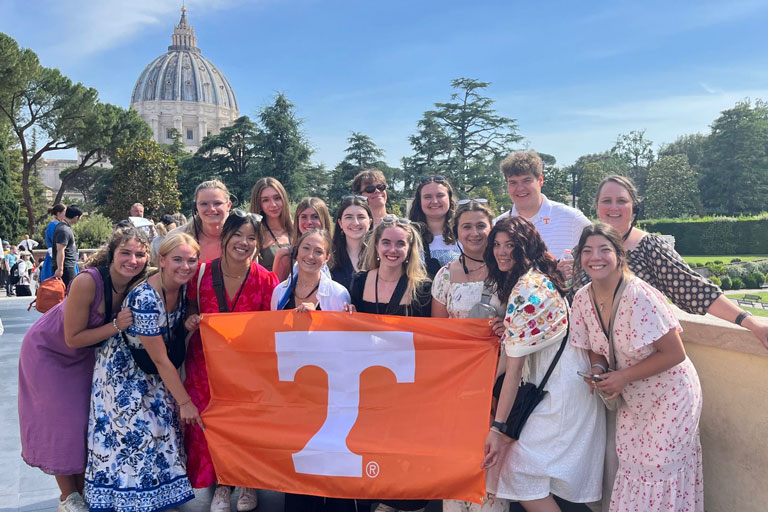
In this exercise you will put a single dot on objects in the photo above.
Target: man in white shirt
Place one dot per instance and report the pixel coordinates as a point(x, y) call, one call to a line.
point(27, 244)
point(559, 225)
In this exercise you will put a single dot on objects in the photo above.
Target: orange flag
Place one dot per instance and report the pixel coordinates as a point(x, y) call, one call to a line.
point(349, 406)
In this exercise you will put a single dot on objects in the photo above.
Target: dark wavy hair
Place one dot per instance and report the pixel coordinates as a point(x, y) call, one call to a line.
point(529, 251)
point(613, 237)
point(339, 256)
point(416, 214)
point(236, 219)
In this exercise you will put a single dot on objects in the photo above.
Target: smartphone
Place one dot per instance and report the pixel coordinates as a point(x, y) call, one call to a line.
point(593, 378)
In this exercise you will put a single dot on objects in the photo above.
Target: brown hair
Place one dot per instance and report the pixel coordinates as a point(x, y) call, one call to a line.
point(285, 214)
point(613, 237)
point(529, 251)
point(522, 162)
point(367, 177)
point(320, 207)
point(416, 214)
point(624, 182)
point(471, 206)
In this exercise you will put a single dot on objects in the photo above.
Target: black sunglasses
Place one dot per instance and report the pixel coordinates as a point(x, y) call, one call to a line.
point(436, 178)
point(240, 213)
point(370, 189)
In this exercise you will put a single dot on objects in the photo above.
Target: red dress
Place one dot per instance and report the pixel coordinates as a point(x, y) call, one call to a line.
point(255, 296)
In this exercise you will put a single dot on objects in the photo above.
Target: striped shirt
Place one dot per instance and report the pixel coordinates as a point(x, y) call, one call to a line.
point(559, 225)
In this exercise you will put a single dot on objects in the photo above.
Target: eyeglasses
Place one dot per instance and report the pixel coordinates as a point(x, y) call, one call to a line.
point(394, 219)
point(354, 196)
point(370, 189)
point(480, 200)
point(435, 177)
point(241, 213)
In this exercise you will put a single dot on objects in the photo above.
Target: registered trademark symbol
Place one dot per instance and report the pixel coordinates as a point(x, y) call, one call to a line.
point(372, 469)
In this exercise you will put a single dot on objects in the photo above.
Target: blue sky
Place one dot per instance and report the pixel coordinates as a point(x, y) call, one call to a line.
point(573, 74)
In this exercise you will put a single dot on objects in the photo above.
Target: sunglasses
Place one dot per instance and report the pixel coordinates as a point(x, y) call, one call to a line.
point(370, 189)
point(240, 213)
point(394, 219)
point(352, 197)
point(473, 200)
point(436, 178)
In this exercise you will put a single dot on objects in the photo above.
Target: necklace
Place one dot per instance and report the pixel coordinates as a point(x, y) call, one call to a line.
point(307, 295)
point(463, 259)
point(601, 304)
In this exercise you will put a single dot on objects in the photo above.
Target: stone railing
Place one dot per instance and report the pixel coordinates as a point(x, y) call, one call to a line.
point(733, 368)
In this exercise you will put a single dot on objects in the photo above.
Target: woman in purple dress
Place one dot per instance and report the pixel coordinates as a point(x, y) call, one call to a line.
point(57, 359)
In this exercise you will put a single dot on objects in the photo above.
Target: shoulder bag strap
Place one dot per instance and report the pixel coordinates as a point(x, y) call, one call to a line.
point(218, 285)
point(559, 352)
point(106, 284)
point(616, 300)
point(199, 280)
point(397, 295)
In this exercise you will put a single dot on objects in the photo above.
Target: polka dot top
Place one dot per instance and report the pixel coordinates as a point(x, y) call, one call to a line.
point(658, 264)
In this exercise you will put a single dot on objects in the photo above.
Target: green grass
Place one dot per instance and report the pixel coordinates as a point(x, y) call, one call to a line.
point(740, 293)
point(695, 261)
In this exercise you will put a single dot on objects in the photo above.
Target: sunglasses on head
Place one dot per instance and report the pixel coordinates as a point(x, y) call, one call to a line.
point(435, 177)
point(370, 189)
point(241, 213)
point(480, 200)
point(394, 219)
point(352, 197)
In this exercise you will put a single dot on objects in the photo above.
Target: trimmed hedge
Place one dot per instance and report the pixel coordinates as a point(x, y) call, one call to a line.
point(714, 235)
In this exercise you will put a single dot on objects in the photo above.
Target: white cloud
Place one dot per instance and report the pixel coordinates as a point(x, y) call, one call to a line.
point(84, 27)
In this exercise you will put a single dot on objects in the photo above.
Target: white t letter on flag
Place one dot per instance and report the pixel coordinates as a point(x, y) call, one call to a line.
point(343, 355)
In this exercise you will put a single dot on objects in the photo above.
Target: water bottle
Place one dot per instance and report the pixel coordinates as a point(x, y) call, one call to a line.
point(567, 256)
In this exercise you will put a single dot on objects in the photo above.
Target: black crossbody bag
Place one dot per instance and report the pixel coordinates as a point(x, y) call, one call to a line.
point(530, 395)
point(175, 345)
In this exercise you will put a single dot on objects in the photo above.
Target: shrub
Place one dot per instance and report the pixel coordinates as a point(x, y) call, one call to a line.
point(750, 267)
point(726, 283)
point(763, 266)
point(759, 279)
point(749, 281)
point(715, 235)
point(717, 269)
point(737, 284)
point(736, 260)
point(736, 271)
point(92, 231)
point(718, 262)
point(716, 281)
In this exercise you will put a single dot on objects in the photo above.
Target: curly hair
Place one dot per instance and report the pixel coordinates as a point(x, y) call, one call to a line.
point(119, 237)
point(367, 177)
point(416, 214)
point(529, 251)
point(522, 162)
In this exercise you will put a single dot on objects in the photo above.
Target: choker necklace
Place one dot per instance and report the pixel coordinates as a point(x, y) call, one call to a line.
point(307, 295)
point(463, 260)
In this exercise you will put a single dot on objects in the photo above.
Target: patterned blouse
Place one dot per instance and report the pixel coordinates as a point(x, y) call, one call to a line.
point(658, 264)
point(536, 315)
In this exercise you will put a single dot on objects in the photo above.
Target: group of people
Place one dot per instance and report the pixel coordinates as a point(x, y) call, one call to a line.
point(103, 406)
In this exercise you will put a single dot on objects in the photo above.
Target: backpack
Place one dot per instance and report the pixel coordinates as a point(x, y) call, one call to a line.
point(15, 277)
point(49, 293)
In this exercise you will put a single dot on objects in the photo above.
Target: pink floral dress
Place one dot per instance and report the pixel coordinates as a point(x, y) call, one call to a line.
point(657, 426)
point(255, 296)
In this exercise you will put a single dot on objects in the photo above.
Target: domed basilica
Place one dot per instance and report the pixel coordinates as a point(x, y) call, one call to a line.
point(183, 90)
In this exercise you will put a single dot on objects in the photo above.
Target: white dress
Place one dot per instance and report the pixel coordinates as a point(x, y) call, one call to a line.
point(458, 298)
point(561, 448)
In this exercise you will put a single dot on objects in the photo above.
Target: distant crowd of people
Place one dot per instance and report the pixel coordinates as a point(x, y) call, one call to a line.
point(105, 410)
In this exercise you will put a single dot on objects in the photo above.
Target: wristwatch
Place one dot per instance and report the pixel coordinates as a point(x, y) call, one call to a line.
point(499, 425)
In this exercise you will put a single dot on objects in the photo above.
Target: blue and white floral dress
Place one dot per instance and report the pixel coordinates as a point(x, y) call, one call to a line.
point(136, 460)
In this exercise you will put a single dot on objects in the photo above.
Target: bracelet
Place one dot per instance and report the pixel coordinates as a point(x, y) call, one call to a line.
point(114, 324)
point(741, 317)
point(598, 365)
point(185, 403)
point(499, 426)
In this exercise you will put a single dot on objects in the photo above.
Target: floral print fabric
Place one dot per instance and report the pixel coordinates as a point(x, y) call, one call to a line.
point(458, 298)
point(657, 426)
point(136, 459)
point(536, 315)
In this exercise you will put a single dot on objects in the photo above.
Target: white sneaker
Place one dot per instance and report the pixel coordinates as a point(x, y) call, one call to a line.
point(221, 499)
point(73, 503)
point(247, 500)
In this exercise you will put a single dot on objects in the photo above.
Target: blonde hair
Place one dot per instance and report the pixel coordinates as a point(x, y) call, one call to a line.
point(285, 214)
point(195, 225)
point(174, 240)
point(413, 267)
point(320, 207)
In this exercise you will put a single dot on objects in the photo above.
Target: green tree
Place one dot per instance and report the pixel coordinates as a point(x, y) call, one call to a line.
point(634, 149)
point(92, 231)
point(464, 138)
point(361, 153)
point(607, 163)
point(230, 156)
point(555, 185)
point(146, 174)
point(109, 128)
point(734, 177)
point(33, 97)
point(284, 150)
point(672, 189)
point(9, 204)
point(592, 175)
point(692, 146)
